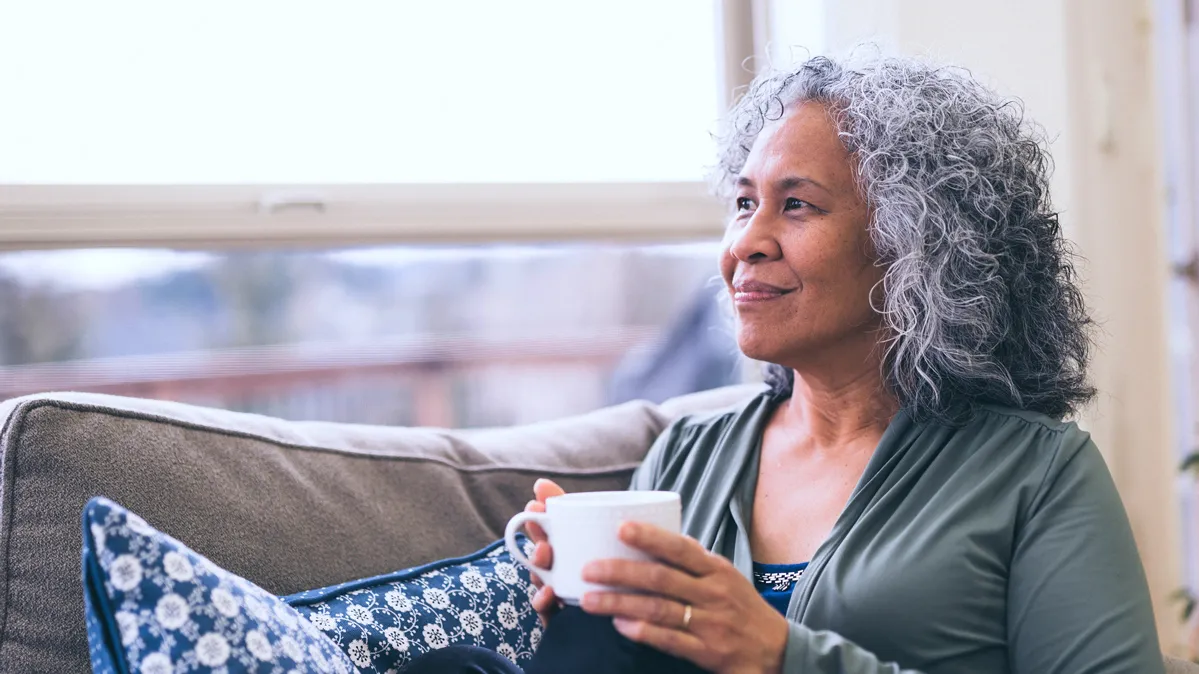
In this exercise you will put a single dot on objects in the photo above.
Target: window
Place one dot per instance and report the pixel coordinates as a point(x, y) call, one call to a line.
point(356, 91)
point(139, 123)
point(478, 336)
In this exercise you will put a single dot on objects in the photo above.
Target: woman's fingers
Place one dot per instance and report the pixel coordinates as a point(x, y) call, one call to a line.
point(672, 641)
point(650, 577)
point(688, 603)
point(543, 557)
point(681, 562)
point(679, 551)
point(544, 489)
point(544, 600)
point(535, 531)
point(543, 554)
point(546, 604)
point(657, 610)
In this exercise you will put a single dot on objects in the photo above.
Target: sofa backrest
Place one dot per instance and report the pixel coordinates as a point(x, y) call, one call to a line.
point(288, 505)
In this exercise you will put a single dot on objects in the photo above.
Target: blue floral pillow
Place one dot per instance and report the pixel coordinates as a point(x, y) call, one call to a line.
point(156, 607)
point(482, 599)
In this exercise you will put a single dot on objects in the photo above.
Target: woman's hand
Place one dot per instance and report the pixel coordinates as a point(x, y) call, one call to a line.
point(544, 602)
point(731, 629)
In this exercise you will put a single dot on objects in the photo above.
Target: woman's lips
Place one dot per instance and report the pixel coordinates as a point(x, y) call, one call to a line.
point(744, 297)
point(753, 292)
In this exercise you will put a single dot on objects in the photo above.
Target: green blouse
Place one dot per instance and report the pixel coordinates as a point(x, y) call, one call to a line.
point(998, 546)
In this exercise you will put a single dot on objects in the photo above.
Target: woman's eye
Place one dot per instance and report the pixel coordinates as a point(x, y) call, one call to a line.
point(793, 203)
point(745, 204)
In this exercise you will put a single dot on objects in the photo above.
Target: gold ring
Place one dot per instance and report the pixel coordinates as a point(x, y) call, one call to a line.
point(687, 617)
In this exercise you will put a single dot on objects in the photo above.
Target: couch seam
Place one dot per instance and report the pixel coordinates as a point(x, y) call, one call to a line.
point(142, 416)
point(11, 430)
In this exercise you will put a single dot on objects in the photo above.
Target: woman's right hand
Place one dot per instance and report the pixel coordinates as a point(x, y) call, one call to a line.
point(544, 602)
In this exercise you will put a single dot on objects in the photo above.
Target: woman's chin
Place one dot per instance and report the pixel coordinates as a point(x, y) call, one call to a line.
point(758, 349)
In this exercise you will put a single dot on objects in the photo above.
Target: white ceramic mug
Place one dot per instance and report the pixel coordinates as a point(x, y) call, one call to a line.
point(584, 526)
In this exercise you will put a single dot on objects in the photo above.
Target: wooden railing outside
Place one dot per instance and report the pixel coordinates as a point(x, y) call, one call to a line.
point(228, 377)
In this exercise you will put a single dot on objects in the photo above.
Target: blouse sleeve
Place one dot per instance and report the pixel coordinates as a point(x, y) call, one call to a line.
point(810, 652)
point(1078, 600)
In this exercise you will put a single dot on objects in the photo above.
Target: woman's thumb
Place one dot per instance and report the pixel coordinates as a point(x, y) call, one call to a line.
point(544, 489)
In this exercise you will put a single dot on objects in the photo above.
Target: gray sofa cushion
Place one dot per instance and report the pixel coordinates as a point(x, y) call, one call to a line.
point(290, 506)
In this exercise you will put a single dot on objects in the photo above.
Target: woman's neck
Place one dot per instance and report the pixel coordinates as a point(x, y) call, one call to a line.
point(839, 410)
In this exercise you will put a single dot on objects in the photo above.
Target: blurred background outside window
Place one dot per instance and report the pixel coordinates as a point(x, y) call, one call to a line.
point(486, 335)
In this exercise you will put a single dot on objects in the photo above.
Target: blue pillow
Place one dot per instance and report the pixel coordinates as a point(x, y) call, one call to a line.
point(153, 606)
point(482, 599)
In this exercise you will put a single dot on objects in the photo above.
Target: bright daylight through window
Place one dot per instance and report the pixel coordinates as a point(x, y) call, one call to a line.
point(355, 91)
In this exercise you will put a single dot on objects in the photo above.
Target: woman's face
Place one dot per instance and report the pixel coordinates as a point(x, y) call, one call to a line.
point(797, 258)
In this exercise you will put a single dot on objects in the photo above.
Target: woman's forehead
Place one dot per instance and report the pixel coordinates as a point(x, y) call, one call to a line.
point(803, 142)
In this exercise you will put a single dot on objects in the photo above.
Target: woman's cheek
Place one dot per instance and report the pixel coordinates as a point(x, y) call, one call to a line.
point(727, 266)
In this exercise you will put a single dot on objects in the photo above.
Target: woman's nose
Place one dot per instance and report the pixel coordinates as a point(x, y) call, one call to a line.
point(756, 241)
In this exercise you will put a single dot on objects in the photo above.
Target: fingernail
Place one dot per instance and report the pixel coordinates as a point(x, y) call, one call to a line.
point(590, 571)
point(629, 531)
point(591, 602)
point(622, 625)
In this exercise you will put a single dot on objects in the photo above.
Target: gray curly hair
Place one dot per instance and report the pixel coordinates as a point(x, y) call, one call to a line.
point(980, 302)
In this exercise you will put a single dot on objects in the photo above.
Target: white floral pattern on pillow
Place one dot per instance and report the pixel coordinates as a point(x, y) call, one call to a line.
point(156, 607)
point(383, 623)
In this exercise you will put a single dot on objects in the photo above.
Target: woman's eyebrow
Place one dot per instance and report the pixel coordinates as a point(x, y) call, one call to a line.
point(786, 183)
point(791, 182)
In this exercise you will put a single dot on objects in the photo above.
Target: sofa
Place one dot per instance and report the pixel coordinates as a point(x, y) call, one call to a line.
point(289, 505)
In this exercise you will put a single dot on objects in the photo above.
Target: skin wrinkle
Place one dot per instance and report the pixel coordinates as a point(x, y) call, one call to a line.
point(979, 300)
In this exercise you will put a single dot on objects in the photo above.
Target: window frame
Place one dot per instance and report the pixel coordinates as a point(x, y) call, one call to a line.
point(222, 216)
point(199, 216)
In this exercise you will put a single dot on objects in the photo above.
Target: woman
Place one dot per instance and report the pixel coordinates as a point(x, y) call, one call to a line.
point(905, 494)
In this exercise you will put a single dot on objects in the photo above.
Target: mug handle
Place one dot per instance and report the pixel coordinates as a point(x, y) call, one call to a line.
point(514, 525)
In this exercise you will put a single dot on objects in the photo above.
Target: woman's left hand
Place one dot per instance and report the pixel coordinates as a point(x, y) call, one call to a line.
point(731, 629)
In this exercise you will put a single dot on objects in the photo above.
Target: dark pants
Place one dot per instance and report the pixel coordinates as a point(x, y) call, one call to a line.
point(575, 642)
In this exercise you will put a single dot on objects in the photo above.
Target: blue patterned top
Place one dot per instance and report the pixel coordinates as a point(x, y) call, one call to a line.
point(775, 582)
